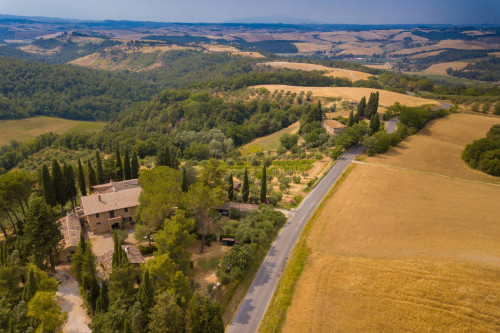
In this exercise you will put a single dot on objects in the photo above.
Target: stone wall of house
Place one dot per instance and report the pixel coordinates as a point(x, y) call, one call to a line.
point(100, 223)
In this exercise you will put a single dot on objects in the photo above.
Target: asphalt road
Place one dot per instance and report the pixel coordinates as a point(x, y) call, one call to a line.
point(251, 311)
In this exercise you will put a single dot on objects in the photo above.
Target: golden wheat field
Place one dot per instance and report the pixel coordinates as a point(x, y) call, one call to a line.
point(408, 243)
point(438, 147)
point(402, 251)
point(387, 98)
point(440, 68)
point(329, 71)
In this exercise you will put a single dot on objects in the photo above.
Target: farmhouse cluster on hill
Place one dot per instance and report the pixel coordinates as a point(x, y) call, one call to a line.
point(111, 205)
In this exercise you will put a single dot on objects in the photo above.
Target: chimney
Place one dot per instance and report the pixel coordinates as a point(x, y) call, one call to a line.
point(99, 196)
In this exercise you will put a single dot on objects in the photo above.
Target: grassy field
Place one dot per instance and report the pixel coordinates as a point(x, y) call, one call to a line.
point(26, 129)
point(387, 98)
point(402, 250)
point(269, 142)
point(329, 71)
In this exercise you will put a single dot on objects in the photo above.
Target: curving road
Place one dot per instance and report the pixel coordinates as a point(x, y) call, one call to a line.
point(251, 311)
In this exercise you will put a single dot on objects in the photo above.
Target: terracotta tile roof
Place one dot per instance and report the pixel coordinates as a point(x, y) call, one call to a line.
point(333, 124)
point(116, 186)
point(71, 230)
point(133, 255)
point(105, 202)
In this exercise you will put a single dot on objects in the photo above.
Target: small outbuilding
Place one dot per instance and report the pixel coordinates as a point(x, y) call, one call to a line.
point(333, 127)
point(71, 230)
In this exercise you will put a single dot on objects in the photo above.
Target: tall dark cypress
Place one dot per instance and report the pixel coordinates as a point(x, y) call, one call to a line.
point(230, 189)
point(184, 184)
point(48, 187)
point(374, 123)
point(146, 292)
point(59, 183)
point(263, 187)
point(127, 172)
point(100, 172)
point(246, 187)
point(372, 106)
point(134, 167)
point(30, 286)
point(361, 107)
point(350, 122)
point(118, 165)
point(92, 175)
point(81, 179)
point(69, 178)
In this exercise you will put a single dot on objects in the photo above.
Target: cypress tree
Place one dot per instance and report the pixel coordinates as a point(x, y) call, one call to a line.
point(48, 187)
point(3, 254)
point(103, 299)
point(69, 178)
point(30, 286)
point(92, 175)
point(118, 165)
point(59, 183)
point(126, 326)
point(100, 172)
point(146, 292)
point(245, 189)
point(361, 107)
point(119, 258)
point(374, 123)
point(12, 328)
point(263, 187)
point(134, 167)
point(94, 293)
point(81, 179)
point(230, 189)
point(372, 106)
point(127, 172)
point(184, 185)
point(350, 122)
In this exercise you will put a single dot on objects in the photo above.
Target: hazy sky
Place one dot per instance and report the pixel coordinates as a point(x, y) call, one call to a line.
point(328, 11)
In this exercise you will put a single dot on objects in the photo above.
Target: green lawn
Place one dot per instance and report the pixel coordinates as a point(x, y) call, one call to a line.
point(26, 129)
point(269, 142)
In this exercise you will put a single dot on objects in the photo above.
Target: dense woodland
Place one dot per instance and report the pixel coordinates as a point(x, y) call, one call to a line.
point(31, 88)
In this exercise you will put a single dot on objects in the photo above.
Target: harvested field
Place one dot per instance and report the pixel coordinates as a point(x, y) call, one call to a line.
point(232, 50)
point(401, 251)
point(26, 129)
point(440, 68)
point(495, 54)
point(438, 147)
point(426, 54)
point(312, 47)
point(336, 72)
point(387, 66)
point(387, 98)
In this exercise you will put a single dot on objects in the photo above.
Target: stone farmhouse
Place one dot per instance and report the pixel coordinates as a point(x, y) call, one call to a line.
point(333, 127)
point(111, 206)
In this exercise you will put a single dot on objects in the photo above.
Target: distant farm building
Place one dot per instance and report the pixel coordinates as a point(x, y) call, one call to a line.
point(112, 206)
point(333, 127)
point(71, 230)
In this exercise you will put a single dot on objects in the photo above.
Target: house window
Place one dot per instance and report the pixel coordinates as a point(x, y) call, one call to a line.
point(98, 223)
point(111, 214)
point(97, 215)
point(126, 210)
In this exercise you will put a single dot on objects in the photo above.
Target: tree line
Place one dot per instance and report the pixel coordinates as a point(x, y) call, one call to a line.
point(484, 154)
